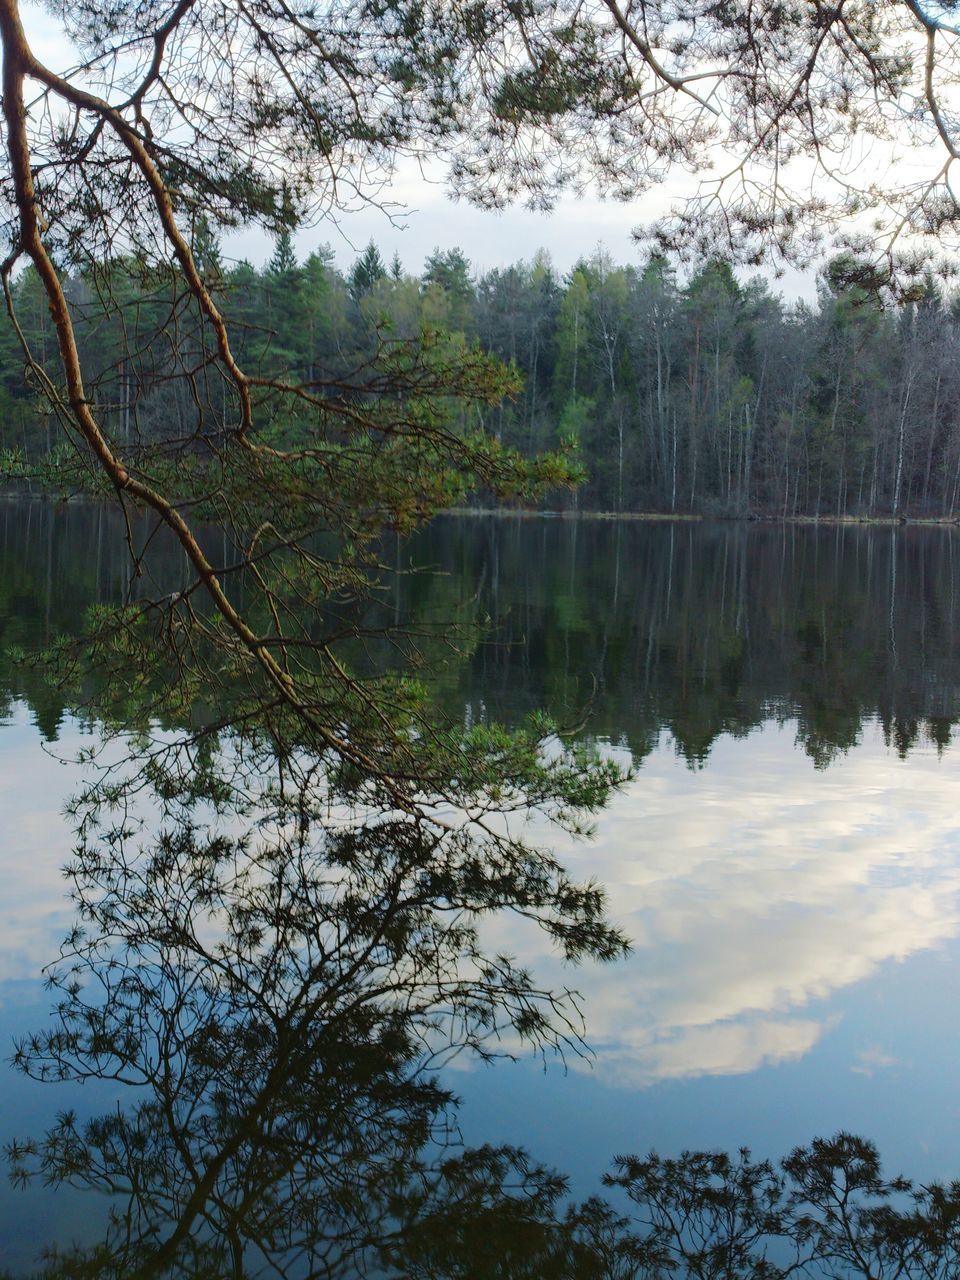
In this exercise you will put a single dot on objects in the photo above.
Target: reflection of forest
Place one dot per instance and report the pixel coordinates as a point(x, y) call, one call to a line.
point(699, 629)
point(704, 629)
point(55, 563)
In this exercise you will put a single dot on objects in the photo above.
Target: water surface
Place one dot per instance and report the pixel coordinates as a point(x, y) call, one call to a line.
point(786, 858)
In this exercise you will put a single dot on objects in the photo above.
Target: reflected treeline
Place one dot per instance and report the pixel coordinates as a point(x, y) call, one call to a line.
point(696, 629)
point(276, 951)
point(275, 1011)
point(56, 563)
point(703, 629)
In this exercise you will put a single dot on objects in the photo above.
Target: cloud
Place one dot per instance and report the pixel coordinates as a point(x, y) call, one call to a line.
point(717, 1049)
point(756, 891)
point(871, 1060)
point(34, 787)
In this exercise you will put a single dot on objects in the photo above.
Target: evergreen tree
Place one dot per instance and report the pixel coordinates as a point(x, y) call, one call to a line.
point(367, 272)
point(284, 260)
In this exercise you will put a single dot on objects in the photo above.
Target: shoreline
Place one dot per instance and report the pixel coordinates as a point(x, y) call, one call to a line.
point(511, 513)
point(645, 517)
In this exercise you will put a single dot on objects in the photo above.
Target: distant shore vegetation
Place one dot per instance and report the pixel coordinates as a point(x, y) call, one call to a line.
point(710, 395)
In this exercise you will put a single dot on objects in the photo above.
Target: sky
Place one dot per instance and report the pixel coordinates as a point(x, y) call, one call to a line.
point(757, 892)
point(793, 971)
point(794, 966)
point(430, 219)
point(416, 214)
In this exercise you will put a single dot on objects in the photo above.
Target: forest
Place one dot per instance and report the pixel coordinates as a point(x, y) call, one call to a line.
point(709, 394)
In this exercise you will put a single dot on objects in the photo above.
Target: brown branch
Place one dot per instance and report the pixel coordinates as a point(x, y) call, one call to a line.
point(18, 63)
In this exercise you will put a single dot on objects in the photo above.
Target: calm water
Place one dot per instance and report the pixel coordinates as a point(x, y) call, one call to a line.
point(786, 859)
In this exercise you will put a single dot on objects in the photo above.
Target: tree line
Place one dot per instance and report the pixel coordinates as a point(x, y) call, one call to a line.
point(697, 632)
point(711, 395)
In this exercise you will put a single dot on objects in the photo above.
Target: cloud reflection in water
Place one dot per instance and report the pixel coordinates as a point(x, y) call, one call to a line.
point(756, 891)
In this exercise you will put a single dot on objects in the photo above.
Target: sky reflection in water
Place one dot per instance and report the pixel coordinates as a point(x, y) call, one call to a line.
point(795, 941)
point(757, 890)
point(794, 967)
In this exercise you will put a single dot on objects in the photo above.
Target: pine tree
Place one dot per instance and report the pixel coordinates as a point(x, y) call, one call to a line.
point(368, 271)
point(284, 260)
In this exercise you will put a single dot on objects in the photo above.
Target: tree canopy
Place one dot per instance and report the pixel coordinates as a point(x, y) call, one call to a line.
point(267, 112)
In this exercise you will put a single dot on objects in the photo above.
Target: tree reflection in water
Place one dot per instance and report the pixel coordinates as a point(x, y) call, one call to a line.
point(278, 1005)
point(274, 970)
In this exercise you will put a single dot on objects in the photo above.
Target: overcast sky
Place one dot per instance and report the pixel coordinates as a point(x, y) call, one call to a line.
point(433, 220)
point(488, 239)
point(425, 218)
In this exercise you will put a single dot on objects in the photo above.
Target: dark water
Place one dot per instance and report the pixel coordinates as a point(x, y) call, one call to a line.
point(786, 859)
point(703, 631)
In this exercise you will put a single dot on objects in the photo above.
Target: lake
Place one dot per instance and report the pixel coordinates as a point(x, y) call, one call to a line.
point(785, 858)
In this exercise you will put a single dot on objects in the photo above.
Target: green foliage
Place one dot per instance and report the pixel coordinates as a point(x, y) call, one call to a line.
point(575, 417)
point(709, 396)
point(368, 270)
